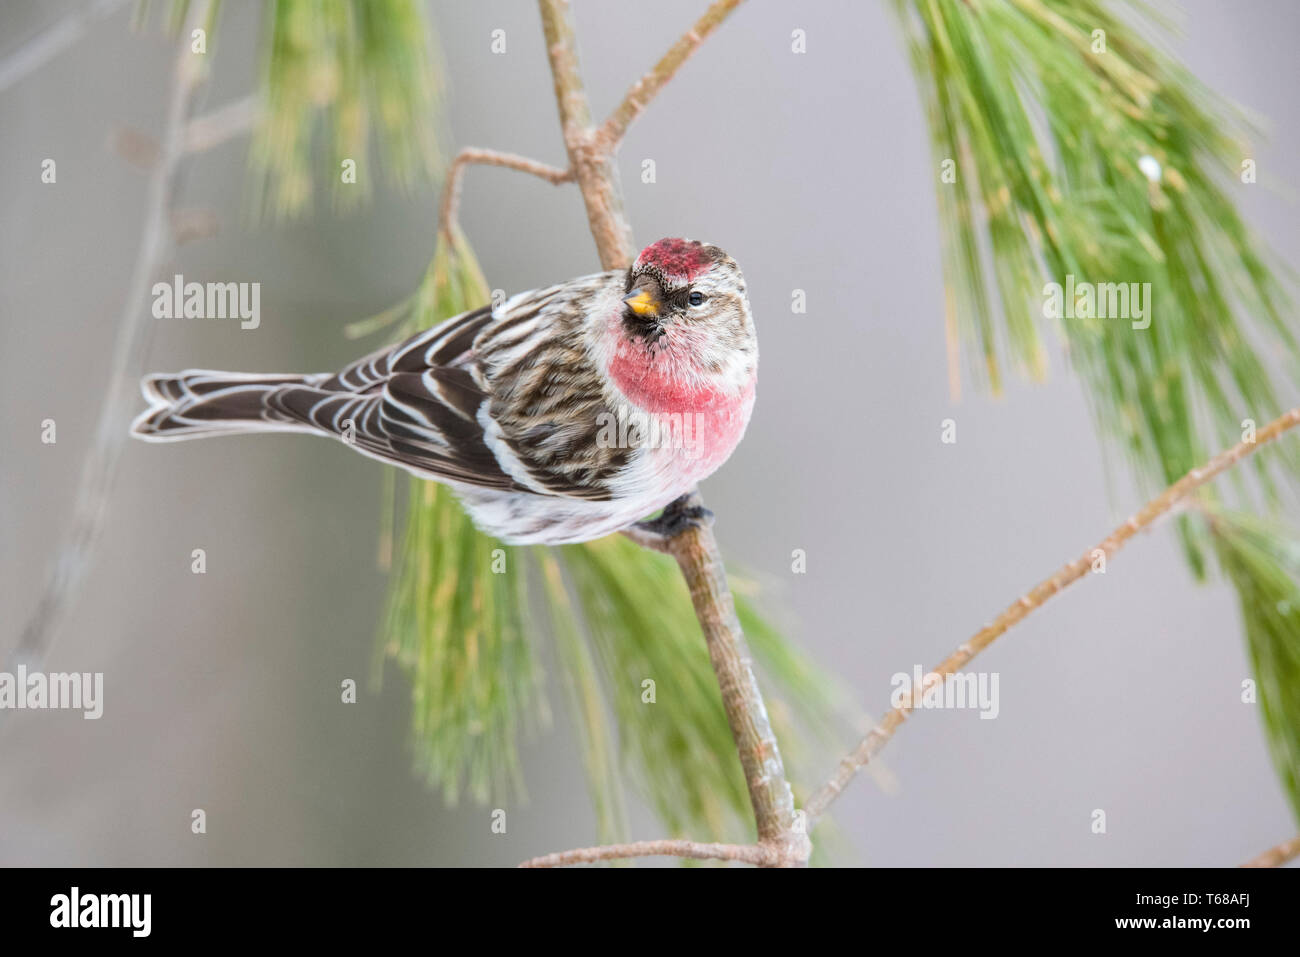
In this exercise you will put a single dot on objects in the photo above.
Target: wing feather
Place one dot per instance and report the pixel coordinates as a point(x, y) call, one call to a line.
point(520, 371)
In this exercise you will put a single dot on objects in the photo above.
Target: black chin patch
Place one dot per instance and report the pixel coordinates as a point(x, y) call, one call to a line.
point(647, 328)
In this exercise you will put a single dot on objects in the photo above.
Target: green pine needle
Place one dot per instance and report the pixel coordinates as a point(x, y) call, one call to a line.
point(1263, 562)
point(455, 623)
point(1094, 154)
point(587, 702)
point(355, 67)
point(1047, 136)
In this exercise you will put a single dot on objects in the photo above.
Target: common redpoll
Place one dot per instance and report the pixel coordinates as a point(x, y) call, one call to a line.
point(562, 415)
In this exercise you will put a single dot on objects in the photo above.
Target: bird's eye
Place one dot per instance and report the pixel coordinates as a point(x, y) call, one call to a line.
point(695, 299)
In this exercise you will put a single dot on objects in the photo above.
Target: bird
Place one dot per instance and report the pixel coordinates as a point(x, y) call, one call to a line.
point(559, 415)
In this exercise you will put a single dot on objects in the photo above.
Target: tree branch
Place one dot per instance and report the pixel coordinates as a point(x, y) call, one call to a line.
point(1277, 856)
point(202, 133)
point(695, 549)
point(760, 854)
point(697, 555)
point(50, 42)
point(593, 168)
point(134, 331)
point(1163, 503)
point(224, 123)
point(447, 208)
point(646, 88)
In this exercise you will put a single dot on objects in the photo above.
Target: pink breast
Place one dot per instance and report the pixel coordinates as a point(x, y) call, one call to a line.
point(697, 426)
point(719, 431)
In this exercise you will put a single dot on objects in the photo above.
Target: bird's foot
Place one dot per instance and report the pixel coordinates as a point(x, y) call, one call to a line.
point(678, 516)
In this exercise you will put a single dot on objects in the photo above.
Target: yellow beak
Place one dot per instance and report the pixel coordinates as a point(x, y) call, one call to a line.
point(642, 303)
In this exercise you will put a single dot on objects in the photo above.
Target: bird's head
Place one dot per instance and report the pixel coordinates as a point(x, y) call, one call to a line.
point(689, 293)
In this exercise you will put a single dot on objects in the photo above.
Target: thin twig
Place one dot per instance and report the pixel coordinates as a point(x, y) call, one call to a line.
point(593, 168)
point(646, 88)
point(1163, 503)
point(189, 225)
point(224, 123)
point(134, 331)
point(447, 208)
point(695, 549)
point(53, 40)
point(762, 855)
point(1277, 856)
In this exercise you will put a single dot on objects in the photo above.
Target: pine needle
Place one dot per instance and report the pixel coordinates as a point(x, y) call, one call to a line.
point(355, 68)
point(1263, 562)
point(1096, 156)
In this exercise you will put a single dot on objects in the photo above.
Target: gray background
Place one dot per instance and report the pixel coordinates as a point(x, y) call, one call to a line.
point(814, 171)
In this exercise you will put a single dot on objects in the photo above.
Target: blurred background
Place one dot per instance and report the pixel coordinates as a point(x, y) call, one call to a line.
point(814, 171)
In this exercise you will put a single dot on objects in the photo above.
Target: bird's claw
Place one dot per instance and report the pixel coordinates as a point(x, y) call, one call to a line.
point(676, 518)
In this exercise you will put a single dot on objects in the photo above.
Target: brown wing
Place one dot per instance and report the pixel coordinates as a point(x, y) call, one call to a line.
point(547, 397)
point(521, 372)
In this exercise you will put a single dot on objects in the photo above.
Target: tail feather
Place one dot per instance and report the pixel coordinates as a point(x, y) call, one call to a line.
point(203, 402)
